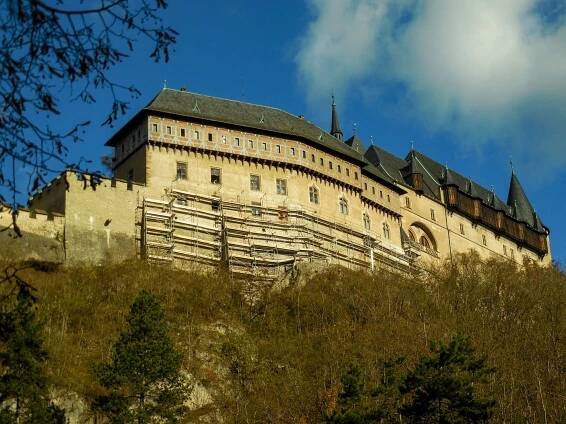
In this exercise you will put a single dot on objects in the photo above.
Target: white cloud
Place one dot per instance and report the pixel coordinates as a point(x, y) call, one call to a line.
point(340, 44)
point(483, 69)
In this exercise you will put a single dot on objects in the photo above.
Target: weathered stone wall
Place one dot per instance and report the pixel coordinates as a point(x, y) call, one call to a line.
point(41, 236)
point(101, 224)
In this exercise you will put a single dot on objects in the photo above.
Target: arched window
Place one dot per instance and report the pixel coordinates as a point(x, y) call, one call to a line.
point(343, 206)
point(425, 242)
point(313, 194)
point(412, 236)
point(367, 222)
point(386, 231)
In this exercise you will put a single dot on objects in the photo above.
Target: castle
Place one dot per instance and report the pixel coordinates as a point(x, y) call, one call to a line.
point(201, 181)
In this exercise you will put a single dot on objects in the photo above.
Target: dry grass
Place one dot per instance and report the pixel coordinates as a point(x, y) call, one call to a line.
point(281, 361)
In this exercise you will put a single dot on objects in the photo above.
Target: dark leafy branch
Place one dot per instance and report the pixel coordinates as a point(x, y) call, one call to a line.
point(51, 51)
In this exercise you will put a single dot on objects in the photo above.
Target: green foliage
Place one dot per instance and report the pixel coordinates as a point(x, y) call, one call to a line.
point(23, 384)
point(143, 380)
point(442, 388)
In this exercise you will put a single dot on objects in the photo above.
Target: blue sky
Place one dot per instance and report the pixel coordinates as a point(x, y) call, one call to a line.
point(471, 85)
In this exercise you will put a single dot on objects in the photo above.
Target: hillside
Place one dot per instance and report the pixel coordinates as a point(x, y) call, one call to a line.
point(282, 359)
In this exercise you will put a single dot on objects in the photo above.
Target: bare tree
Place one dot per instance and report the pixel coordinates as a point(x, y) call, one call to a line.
point(52, 50)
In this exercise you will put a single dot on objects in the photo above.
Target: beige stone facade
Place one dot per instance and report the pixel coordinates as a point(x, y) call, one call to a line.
point(191, 190)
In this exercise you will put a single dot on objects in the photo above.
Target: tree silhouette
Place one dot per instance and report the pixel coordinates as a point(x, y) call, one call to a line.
point(60, 46)
point(143, 380)
point(23, 385)
point(442, 388)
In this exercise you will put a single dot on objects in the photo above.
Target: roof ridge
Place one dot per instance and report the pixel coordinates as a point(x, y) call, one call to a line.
point(226, 100)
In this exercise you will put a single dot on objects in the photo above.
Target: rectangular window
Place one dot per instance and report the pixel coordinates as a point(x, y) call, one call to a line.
point(281, 186)
point(223, 139)
point(388, 198)
point(196, 135)
point(237, 141)
point(347, 172)
point(484, 239)
point(512, 253)
point(209, 136)
point(365, 186)
point(181, 170)
point(215, 205)
point(339, 169)
point(304, 154)
point(264, 146)
point(329, 164)
point(183, 132)
point(169, 130)
point(215, 176)
point(313, 158)
point(380, 194)
point(432, 216)
point(155, 127)
point(321, 162)
point(278, 148)
point(462, 229)
point(408, 202)
point(373, 190)
point(505, 250)
point(250, 144)
point(255, 183)
point(356, 175)
point(292, 151)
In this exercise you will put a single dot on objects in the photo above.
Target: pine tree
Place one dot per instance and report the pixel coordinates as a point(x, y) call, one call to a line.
point(23, 384)
point(442, 386)
point(143, 380)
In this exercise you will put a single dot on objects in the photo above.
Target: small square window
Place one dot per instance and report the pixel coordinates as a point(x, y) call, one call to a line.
point(169, 130)
point(281, 186)
point(215, 176)
point(209, 136)
point(255, 183)
point(183, 132)
point(256, 209)
point(155, 127)
point(181, 170)
point(292, 151)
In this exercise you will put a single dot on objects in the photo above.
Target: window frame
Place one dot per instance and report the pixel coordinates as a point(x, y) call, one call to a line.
point(255, 182)
point(182, 171)
point(215, 175)
point(281, 186)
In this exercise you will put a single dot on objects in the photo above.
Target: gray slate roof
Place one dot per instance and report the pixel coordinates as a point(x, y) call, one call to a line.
point(249, 115)
point(520, 206)
point(355, 143)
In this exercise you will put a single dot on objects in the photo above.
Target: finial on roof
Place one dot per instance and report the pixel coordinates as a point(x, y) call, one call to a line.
point(511, 164)
point(355, 125)
point(412, 145)
point(335, 125)
point(164, 83)
point(371, 139)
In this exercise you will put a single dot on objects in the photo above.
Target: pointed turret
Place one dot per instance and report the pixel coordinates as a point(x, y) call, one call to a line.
point(519, 203)
point(335, 127)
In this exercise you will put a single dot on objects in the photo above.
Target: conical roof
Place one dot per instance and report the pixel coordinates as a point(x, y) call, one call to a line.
point(519, 203)
point(335, 129)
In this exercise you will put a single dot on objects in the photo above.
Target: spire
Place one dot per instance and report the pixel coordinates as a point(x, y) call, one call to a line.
point(335, 127)
point(519, 203)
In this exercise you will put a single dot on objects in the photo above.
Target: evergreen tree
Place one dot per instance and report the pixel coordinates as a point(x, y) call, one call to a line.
point(23, 385)
point(442, 386)
point(143, 380)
